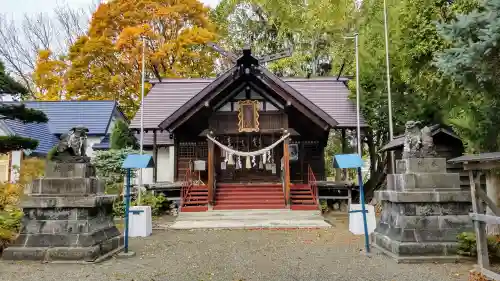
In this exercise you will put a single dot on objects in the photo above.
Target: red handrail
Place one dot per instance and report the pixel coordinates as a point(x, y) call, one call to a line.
point(313, 185)
point(187, 184)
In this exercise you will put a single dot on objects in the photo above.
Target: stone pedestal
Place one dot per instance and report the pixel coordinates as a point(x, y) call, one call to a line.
point(66, 217)
point(423, 211)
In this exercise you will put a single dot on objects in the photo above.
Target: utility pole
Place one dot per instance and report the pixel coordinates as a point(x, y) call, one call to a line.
point(389, 98)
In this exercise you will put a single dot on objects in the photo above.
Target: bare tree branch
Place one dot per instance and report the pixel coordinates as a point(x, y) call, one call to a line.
point(20, 42)
point(73, 23)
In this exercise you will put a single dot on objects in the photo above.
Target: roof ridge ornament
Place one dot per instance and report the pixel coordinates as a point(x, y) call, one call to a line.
point(247, 51)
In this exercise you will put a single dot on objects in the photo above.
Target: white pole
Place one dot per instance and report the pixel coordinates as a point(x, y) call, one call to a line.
point(142, 95)
point(358, 126)
point(389, 98)
point(357, 97)
point(142, 115)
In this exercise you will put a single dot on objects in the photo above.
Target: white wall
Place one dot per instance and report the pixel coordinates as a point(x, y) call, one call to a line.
point(165, 166)
point(111, 125)
point(91, 140)
point(16, 157)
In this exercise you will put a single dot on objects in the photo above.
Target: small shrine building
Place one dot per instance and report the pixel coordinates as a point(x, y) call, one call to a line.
point(247, 139)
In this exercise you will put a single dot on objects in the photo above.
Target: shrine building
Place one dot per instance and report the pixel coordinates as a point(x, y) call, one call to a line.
point(247, 139)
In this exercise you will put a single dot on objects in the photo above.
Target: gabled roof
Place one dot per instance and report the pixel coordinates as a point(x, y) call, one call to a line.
point(398, 141)
point(37, 131)
point(327, 93)
point(162, 138)
point(64, 115)
point(477, 158)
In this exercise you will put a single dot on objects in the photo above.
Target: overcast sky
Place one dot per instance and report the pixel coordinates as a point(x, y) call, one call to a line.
point(17, 8)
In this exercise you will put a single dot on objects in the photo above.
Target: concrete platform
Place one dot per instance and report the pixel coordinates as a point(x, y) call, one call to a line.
point(250, 219)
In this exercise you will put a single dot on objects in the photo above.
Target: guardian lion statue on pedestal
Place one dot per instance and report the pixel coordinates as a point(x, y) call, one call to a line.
point(73, 146)
point(418, 143)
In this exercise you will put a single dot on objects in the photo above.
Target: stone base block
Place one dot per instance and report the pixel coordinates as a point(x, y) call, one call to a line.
point(423, 181)
point(49, 254)
point(408, 252)
point(90, 201)
point(431, 196)
point(421, 165)
point(69, 170)
point(65, 186)
point(65, 239)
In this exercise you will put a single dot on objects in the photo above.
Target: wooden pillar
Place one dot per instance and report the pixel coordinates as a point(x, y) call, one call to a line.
point(344, 151)
point(210, 171)
point(176, 160)
point(286, 170)
point(479, 226)
point(301, 155)
point(155, 157)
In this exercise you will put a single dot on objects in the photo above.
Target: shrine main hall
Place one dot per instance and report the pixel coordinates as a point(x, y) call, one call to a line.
point(247, 139)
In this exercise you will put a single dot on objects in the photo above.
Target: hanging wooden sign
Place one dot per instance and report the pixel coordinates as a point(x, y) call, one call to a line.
point(248, 116)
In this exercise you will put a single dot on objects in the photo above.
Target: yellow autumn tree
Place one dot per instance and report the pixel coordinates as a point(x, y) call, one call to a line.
point(49, 76)
point(106, 62)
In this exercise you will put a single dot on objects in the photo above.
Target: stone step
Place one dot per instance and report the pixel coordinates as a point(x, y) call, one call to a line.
point(250, 224)
point(246, 201)
point(248, 207)
point(283, 214)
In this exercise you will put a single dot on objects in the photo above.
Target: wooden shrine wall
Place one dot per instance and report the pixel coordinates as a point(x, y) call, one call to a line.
point(227, 122)
point(190, 151)
point(310, 153)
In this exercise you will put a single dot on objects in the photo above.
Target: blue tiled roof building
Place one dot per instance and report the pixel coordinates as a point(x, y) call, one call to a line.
point(97, 116)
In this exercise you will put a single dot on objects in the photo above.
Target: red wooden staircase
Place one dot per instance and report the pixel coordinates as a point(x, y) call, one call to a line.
point(194, 198)
point(302, 197)
point(249, 196)
point(305, 196)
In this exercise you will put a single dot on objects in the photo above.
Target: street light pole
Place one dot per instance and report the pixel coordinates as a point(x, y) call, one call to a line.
point(389, 98)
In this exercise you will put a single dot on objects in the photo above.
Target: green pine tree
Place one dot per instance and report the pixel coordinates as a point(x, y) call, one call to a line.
point(16, 112)
point(122, 137)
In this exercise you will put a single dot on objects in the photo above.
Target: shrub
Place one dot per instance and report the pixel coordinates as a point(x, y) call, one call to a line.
point(10, 194)
point(10, 222)
point(119, 207)
point(109, 165)
point(324, 205)
point(122, 137)
point(467, 245)
point(158, 203)
point(51, 153)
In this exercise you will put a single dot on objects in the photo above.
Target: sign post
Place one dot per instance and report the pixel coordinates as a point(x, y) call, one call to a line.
point(133, 161)
point(351, 161)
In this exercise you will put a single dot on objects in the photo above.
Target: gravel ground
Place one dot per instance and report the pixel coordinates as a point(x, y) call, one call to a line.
point(237, 255)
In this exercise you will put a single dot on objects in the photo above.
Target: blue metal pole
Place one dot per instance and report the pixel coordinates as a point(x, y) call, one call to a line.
point(127, 207)
point(363, 210)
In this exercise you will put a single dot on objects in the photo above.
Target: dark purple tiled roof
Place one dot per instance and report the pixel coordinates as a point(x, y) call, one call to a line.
point(162, 138)
point(165, 98)
point(329, 94)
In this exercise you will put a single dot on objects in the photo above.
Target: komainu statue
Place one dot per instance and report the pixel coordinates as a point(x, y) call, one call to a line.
point(73, 146)
point(418, 142)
